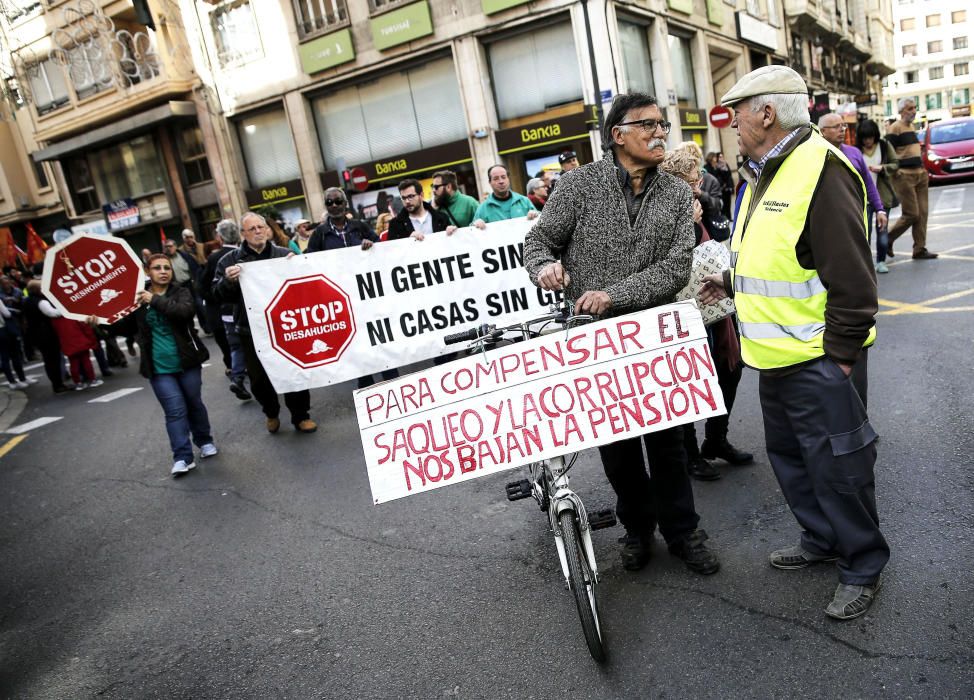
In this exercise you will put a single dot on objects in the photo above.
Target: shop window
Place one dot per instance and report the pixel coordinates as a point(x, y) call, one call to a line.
point(81, 185)
point(958, 16)
point(961, 68)
point(935, 100)
point(636, 60)
point(935, 46)
point(315, 15)
point(681, 61)
point(960, 96)
point(235, 30)
point(268, 148)
point(907, 24)
point(960, 42)
point(547, 52)
point(909, 49)
point(911, 76)
point(129, 169)
point(399, 113)
point(933, 20)
point(47, 86)
point(193, 154)
point(935, 73)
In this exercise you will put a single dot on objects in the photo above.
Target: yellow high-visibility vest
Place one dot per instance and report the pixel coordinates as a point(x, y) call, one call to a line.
point(780, 304)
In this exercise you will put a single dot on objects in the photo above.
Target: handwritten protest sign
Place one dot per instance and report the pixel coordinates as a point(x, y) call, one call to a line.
point(538, 399)
point(337, 315)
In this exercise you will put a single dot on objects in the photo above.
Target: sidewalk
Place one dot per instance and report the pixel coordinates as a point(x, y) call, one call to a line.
point(12, 402)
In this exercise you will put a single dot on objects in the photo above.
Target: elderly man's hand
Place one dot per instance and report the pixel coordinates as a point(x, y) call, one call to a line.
point(533, 214)
point(595, 303)
point(450, 230)
point(712, 290)
point(553, 277)
point(232, 272)
point(480, 223)
point(417, 235)
point(366, 244)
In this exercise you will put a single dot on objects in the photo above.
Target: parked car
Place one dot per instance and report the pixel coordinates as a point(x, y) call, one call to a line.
point(948, 149)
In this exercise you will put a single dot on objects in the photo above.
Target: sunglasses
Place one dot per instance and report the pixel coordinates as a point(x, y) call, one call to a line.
point(333, 202)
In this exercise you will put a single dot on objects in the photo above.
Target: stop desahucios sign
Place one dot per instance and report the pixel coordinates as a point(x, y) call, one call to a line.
point(92, 275)
point(310, 321)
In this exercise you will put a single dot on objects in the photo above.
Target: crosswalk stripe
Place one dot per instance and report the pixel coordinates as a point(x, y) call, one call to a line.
point(115, 395)
point(27, 427)
point(33, 366)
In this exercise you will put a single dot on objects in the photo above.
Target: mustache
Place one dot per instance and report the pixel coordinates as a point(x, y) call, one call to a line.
point(657, 143)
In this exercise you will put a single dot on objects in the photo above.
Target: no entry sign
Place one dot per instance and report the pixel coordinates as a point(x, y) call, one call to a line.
point(721, 116)
point(360, 179)
point(310, 321)
point(89, 275)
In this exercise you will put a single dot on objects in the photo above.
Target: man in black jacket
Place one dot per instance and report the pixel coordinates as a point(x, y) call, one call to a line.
point(226, 289)
point(338, 231)
point(417, 218)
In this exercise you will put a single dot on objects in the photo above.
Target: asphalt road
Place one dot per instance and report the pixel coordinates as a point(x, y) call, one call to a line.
point(268, 573)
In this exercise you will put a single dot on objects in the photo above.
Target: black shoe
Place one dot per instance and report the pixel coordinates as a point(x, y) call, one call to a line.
point(130, 346)
point(924, 254)
point(712, 449)
point(636, 551)
point(240, 391)
point(692, 550)
point(701, 469)
point(107, 373)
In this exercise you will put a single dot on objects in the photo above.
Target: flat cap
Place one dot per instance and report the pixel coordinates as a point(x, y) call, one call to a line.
point(767, 80)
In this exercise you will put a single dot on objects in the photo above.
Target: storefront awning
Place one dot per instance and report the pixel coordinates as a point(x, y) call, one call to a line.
point(112, 132)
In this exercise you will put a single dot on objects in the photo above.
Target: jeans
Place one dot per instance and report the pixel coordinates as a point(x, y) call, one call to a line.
point(882, 234)
point(11, 355)
point(182, 401)
point(238, 364)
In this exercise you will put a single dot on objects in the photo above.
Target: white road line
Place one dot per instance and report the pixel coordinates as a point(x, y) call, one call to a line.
point(33, 366)
point(115, 395)
point(205, 364)
point(949, 201)
point(27, 427)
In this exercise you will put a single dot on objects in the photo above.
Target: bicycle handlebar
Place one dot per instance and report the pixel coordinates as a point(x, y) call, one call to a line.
point(562, 314)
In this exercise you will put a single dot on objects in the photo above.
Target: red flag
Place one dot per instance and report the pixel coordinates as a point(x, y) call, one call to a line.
point(8, 250)
point(36, 247)
point(162, 240)
point(21, 257)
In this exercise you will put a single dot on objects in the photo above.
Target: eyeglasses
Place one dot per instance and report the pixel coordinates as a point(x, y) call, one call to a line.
point(334, 202)
point(255, 229)
point(409, 197)
point(649, 125)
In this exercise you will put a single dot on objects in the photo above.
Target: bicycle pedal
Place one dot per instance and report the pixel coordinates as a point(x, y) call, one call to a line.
point(516, 490)
point(602, 519)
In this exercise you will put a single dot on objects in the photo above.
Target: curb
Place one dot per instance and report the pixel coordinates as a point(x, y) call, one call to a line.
point(12, 403)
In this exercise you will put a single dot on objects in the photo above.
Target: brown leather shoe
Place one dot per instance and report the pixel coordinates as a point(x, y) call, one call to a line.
point(306, 426)
point(273, 425)
point(924, 254)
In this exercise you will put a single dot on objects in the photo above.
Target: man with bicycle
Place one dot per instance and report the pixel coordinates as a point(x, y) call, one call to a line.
point(617, 235)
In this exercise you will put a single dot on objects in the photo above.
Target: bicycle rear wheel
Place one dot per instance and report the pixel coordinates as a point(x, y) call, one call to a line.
point(582, 584)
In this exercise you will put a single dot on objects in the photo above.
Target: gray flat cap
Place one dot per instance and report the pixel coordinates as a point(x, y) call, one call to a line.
point(767, 80)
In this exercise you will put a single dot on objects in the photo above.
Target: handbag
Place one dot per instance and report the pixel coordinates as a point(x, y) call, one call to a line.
point(709, 258)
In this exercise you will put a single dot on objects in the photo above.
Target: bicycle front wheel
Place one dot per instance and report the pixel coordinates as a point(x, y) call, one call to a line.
point(582, 583)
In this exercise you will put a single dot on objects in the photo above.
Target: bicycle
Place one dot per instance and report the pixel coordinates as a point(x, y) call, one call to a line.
point(547, 483)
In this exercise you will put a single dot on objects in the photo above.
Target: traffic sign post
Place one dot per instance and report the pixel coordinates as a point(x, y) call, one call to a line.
point(720, 116)
point(93, 275)
point(310, 321)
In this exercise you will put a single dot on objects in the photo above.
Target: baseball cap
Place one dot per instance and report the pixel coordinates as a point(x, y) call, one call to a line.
point(767, 80)
point(566, 156)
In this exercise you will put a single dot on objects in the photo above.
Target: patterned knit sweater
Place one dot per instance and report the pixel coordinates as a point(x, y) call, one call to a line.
point(586, 226)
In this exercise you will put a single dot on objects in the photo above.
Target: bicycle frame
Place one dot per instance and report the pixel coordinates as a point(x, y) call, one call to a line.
point(559, 498)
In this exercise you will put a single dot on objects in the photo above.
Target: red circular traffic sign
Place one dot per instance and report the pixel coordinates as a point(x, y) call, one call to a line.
point(360, 179)
point(92, 275)
point(310, 321)
point(721, 116)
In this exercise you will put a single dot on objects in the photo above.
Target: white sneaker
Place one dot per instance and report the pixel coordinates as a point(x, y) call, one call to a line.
point(208, 450)
point(19, 385)
point(31, 380)
point(180, 467)
point(97, 382)
point(81, 387)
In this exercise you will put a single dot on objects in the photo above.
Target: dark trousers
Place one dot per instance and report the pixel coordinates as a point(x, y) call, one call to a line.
point(53, 367)
point(219, 332)
point(297, 402)
point(822, 449)
point(662, 495)
point(715, 429)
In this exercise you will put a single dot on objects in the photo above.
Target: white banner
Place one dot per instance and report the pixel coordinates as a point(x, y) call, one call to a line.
point(538, 399)
point(336, 315)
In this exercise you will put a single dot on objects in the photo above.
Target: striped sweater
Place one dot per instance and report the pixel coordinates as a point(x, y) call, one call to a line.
point(586, 226)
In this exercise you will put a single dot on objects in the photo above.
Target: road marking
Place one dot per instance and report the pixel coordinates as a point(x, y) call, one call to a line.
point(950, 201)
point(909, 259)
point(923, 307)
point(27, 427)
point(115, 395)
point(33, 366)
point(205, 364)
point(10, 444)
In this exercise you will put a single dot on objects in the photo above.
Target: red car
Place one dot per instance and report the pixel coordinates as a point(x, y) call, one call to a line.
point(948, 149)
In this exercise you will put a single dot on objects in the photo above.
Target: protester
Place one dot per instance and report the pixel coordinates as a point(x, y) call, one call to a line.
point(337, 230)
point(226, 289)
point(417, 218)
point(722, 338)
point(568, 160)
point(186, 273)
point(717, 166)
point(910, 181)
point(382, 225)
point(880, 158)
point(77, 340)
point(192, 248)
point(708, 190)
point(302, 235)
point(502, 204)
point(172, 358)
point(220, 315)
point(537, 192)
point(38, 312)
point(458, 207)
point(644, 219)
point(833, 130)
point(805, 291)
point(11, 355)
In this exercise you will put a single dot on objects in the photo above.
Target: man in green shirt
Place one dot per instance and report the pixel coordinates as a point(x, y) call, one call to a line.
point(457, 206)
point(502, 204)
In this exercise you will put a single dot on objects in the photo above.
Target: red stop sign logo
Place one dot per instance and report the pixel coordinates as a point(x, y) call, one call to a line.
point(310, 321)
point(92, 275)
